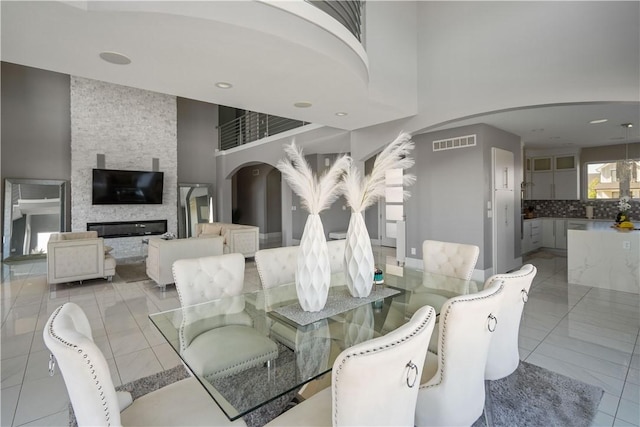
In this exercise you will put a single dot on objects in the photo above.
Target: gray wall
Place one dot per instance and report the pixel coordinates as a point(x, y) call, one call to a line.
point(274, 202)
point(251, 195)
point(197, 141)
point(36, 131)
point(448, 200)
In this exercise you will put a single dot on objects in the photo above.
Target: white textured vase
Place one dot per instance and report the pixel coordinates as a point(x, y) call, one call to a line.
point(313, 272)
point(358, 257)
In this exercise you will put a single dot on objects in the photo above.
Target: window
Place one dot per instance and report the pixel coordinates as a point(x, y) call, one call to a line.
point(610, 180)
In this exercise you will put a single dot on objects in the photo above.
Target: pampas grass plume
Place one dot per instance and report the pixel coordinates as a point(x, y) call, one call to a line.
point(360, 192)
point(316, 194)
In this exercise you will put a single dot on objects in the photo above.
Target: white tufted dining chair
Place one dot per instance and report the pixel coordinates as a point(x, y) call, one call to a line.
point(95, 401)
point(374, 383)
point(217, 339)
point(452, 389)
point(277, 266)
point(449, 259)
point(504, 357)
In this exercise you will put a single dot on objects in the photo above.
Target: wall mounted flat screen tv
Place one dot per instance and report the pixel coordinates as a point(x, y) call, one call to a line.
point(122, 187)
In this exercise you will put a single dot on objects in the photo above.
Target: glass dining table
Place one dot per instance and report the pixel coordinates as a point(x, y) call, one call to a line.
point(307, 343)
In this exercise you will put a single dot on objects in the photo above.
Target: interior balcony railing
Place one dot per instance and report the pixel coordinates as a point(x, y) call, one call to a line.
point(347, 12)
point(253, 126)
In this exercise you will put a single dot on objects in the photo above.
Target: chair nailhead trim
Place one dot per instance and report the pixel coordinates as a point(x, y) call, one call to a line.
point(441, 358)
point(411, 334)
point(85, 356)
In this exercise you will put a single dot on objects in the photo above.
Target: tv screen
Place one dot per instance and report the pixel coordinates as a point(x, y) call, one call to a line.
point(120, 187)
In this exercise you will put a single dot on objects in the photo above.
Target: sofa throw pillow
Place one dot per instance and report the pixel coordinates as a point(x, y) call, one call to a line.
point(211, 229)
point(107, 249)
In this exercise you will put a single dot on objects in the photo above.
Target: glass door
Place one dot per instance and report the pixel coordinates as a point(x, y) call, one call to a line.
point(392, 208)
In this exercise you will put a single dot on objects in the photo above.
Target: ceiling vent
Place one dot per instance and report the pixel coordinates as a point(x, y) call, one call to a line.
point(450, 144)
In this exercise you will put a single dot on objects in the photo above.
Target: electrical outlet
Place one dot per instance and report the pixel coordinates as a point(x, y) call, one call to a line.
point(626, 245)
point(293, 208)
point(413, 251)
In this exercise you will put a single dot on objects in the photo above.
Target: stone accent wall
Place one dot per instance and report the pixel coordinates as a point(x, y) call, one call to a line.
point(130, 127)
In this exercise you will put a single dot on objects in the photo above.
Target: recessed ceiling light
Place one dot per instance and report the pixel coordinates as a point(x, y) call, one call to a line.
point(341, 114)
point(115, 58)
point(224, 85)
point(302, 104)
point(596, 121)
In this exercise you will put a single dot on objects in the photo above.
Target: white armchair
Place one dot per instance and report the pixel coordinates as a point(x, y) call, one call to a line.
point(238, 238)
point(95, 401)
point(163, 253)
point(76, 256)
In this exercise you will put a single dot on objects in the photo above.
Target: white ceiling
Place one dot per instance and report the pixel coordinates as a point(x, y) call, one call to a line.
point(563, 126)
point(182, 49)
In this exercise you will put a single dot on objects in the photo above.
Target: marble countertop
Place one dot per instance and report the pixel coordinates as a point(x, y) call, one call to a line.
point(571, 218)
point(601, 226)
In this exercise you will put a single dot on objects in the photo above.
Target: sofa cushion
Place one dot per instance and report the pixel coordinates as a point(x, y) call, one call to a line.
point(210, 229)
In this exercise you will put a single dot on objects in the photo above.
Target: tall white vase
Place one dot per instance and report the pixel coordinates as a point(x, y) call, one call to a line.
point(313, 272)
point(358, 257)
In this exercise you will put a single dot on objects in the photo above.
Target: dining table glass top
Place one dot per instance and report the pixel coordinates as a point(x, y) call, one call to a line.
point(301, 346)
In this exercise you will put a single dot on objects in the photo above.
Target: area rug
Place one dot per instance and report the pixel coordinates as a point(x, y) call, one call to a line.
point(534, 396)
point(531, 396)
point(142, 386)
point(135, 272)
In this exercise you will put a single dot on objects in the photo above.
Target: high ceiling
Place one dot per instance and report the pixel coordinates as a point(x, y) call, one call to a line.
point(184, 48)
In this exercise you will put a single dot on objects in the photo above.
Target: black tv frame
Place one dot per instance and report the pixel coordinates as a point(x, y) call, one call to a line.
point(113, 200)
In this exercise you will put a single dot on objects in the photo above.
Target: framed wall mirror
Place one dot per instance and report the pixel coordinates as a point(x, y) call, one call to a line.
point(195, 205)
point(33, 210)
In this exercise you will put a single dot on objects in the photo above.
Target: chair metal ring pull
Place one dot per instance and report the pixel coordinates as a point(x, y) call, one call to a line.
point(495, 323)
point(412, 366)
point(525, 296)
point(52, 365)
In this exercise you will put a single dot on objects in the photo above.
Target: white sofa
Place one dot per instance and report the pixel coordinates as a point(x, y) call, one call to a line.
point(163, 253)
point(76, 256)
point(238, 238)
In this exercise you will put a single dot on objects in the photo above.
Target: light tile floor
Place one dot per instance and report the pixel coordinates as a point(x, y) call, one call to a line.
point(586, 333)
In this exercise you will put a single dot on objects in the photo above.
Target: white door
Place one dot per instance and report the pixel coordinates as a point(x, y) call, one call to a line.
point(503, 211)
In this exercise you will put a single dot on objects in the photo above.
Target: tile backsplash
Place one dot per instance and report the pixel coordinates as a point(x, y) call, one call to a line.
point(602, 209)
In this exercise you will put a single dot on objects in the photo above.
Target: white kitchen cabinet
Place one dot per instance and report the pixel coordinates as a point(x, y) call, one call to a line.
point(542, 185)
point(548, 233)
point(554, 178)
point(531, 235)
point(560, 231)
point(565, 185)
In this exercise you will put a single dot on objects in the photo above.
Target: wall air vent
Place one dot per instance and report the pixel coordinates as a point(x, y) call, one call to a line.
point(450, 144)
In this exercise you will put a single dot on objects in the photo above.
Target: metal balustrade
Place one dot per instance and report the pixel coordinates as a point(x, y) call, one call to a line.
point(253, 126)
point(347, 12)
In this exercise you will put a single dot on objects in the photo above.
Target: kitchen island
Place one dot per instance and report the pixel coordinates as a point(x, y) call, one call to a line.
point(601, 256)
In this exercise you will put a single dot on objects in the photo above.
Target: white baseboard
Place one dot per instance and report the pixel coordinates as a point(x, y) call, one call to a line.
point(271, 237)
point(415, 263)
